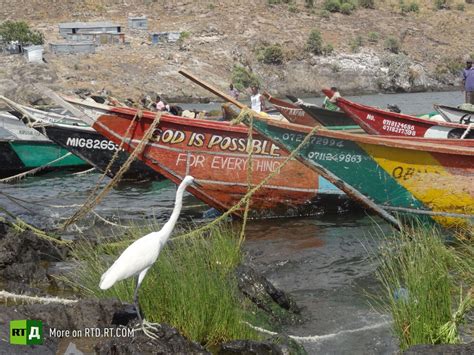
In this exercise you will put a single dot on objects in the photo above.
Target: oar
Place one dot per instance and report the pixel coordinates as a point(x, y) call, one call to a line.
point(212, 89)
point(63, 103)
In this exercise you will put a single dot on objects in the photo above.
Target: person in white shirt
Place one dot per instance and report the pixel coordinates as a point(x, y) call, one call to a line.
point(257, 101)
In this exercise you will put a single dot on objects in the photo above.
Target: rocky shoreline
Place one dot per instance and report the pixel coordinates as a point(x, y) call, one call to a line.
point(24, 271)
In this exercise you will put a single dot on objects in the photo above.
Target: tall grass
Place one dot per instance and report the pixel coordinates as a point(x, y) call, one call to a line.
point(427, 285)
point(191, 286)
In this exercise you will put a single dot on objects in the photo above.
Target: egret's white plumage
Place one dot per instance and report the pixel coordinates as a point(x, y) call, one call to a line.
point(142, 253)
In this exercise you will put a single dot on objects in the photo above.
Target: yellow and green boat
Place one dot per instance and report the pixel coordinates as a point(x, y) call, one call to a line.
point(428, 177)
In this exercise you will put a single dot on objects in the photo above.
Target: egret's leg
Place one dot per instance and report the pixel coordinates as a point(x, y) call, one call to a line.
point(135, 300)
point(145, 326)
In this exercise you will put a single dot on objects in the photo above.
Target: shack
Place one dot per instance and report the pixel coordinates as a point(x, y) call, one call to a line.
point(164, 37)
point(138, 22)
point(33, 54)
point(68, 29)
point(72, 48)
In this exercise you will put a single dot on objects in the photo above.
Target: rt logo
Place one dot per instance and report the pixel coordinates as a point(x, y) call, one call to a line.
point(26, 332)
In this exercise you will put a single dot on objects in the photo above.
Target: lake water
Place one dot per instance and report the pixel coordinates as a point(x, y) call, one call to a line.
point(321, 261)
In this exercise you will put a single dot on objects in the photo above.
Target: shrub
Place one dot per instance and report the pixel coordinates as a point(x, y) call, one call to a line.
point(367, 4)
point(332, 5)
point(21, 32)
point(309, 3)
point(373, 37)
point(410, 7)
point(272, 54)
point(274, 2)
point(183, 35)
point(422, 280)
point(314, 44)
point(293, 8)
point(460, 6)
point(347, 8)
point(328, 49)
point(324, 14)
point(356, 43)
point(441, 4)
point(391, 44)
point(243, 78)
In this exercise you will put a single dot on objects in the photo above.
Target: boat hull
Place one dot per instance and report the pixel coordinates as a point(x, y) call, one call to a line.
point(328, 118)
point(432, 180)
point(99, 151)
point(20, 156)
point(453, 114)
point(291, 112)
point(381, 122)
point(215, 153)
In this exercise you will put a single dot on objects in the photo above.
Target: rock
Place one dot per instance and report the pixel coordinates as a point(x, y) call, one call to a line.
point(80, 315)
point(275, 302)
point(278, 344)
point(21, 255)
point(442, 349)
point(249, 347)
point(169, 342)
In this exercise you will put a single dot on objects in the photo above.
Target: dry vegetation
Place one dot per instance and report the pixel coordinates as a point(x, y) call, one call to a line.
point(225, 33)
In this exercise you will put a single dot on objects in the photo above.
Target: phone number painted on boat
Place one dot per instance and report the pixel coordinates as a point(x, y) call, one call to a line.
point(89, 143)
point(398, 127)
point(329, 142)
point(339, 158)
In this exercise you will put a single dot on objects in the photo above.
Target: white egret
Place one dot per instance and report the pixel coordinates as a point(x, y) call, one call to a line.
point(142, 253)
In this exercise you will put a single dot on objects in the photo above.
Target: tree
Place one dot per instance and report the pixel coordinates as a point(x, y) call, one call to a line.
point(21, 32)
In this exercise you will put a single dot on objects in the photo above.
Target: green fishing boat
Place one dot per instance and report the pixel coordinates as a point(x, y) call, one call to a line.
point(430, 178)
point(23, 148)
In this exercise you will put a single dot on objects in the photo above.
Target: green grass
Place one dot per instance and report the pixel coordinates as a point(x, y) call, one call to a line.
point(426, 285)
point(191, 287)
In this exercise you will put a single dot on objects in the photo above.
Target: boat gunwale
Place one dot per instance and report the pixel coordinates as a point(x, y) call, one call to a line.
point(393, 115)
point(395, 142)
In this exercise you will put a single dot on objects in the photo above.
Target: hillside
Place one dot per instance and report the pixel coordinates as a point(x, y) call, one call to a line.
point(222, 34)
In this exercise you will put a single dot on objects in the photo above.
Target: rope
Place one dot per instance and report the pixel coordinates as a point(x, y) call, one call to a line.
point(250, 193)
point(21, 225)
point(35, 299)
point(468, 129)
point(84, 172)
point(33, 171)
point(90, 204)
point(249, 171)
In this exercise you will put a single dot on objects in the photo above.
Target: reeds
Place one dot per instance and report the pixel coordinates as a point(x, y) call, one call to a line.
point(427, 285)
point(191, 286)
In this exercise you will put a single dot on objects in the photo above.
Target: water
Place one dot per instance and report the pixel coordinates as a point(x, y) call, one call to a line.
point(323, 262)
point(415, 103)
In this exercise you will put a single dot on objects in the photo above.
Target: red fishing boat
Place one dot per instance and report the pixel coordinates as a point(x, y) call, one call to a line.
point(380, 122)
point(291, 112)
point(216, 154)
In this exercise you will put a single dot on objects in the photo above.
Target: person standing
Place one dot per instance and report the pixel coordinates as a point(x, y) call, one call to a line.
point(234, 92)
point(257, 101)
point(160, 104)
point(329, 103)
point(468, 82)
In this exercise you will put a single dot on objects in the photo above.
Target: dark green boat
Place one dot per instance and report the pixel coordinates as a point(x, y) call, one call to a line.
point(23, 148)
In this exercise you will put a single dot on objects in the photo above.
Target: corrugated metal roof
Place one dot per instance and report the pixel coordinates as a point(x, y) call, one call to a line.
point(87, 24)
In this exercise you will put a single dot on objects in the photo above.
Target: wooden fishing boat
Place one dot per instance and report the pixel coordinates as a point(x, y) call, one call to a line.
point(380, 122)
point(23, 149)
point(454, 114)
point(291, 112)
point(216, 154)
point(83, 141)
point(328, 118)
point(404, 175)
